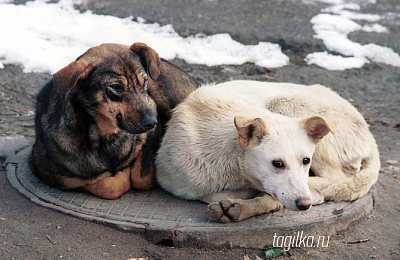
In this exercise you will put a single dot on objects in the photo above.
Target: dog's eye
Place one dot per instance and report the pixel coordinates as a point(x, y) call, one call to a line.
point(115, 92)
point(278, 164)
point(306, 161)
point(117, 87)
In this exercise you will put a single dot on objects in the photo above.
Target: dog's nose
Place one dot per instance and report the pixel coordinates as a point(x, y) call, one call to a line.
point(303, 204)
point(148, 121)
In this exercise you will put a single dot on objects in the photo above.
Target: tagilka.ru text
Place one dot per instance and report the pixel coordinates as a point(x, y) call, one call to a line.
point(300, 240)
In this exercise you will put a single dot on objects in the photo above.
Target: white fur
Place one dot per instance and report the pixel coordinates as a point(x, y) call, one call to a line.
point(200, 155)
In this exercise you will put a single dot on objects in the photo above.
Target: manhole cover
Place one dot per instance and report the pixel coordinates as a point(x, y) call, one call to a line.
point(161, 217)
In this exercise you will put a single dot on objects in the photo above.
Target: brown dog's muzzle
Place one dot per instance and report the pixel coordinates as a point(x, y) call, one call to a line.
point(146, 122)
point(137, 119)
point(149, 121)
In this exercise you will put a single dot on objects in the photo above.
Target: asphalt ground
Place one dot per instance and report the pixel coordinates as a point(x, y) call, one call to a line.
point(28, 231)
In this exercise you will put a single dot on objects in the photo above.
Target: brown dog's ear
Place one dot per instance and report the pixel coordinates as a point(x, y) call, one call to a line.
point(317, 127)
point(68, 77)
point(149, 58)
point(250, 131)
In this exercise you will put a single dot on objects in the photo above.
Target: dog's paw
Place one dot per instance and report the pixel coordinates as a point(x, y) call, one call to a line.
point(275, 206)
point(317, 197)
point(225, 211)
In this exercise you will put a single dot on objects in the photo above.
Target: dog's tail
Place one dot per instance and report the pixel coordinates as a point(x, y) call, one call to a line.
point(358, 185)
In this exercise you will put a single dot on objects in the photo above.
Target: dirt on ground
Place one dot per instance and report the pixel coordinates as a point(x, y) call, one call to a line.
point(28, 231)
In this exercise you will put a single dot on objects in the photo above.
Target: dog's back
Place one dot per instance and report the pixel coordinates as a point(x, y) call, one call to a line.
point(200, 144)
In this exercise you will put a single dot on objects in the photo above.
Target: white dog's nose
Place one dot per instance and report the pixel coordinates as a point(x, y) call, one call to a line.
point(303, 204)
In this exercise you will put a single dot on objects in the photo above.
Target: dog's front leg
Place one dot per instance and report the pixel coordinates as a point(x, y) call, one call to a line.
point(111, 187)
point(142, 172)
point(237, 207)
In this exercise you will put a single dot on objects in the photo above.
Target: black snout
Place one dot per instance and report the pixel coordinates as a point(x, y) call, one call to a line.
point(119, 118)
point(303, 204)
point(148, 121)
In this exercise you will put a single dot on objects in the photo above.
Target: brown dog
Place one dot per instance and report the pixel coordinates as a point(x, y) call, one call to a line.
point(99, 121)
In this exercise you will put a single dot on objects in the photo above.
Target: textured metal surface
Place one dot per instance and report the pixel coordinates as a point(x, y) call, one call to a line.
point(158, 215)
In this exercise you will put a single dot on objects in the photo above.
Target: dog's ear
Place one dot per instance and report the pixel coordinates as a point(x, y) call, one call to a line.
point(69, 76)
point(250, 131)
point(149, 58)
point(317, 127)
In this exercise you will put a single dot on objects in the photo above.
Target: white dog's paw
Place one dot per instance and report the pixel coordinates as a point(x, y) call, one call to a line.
point(231, 210)
point(225, 211)
point(317, 197)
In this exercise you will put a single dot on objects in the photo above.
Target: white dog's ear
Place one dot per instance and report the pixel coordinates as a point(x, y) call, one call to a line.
point(250, 131)
point(317, 127)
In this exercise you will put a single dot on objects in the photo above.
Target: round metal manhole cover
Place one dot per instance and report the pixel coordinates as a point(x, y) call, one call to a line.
point(159, 216)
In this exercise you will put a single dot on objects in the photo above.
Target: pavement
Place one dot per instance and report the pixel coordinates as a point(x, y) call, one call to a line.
point(30, 228)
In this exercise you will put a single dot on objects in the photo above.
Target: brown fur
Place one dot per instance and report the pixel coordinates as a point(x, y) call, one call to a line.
point(100, 119)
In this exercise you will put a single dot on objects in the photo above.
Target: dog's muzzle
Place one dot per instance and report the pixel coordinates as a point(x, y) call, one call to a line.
point(148, 121)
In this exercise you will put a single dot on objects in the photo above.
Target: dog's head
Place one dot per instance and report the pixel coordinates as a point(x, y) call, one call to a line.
point(108, 85)
point(278, 155)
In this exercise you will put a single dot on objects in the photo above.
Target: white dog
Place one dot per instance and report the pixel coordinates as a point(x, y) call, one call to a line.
point(245, 147)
